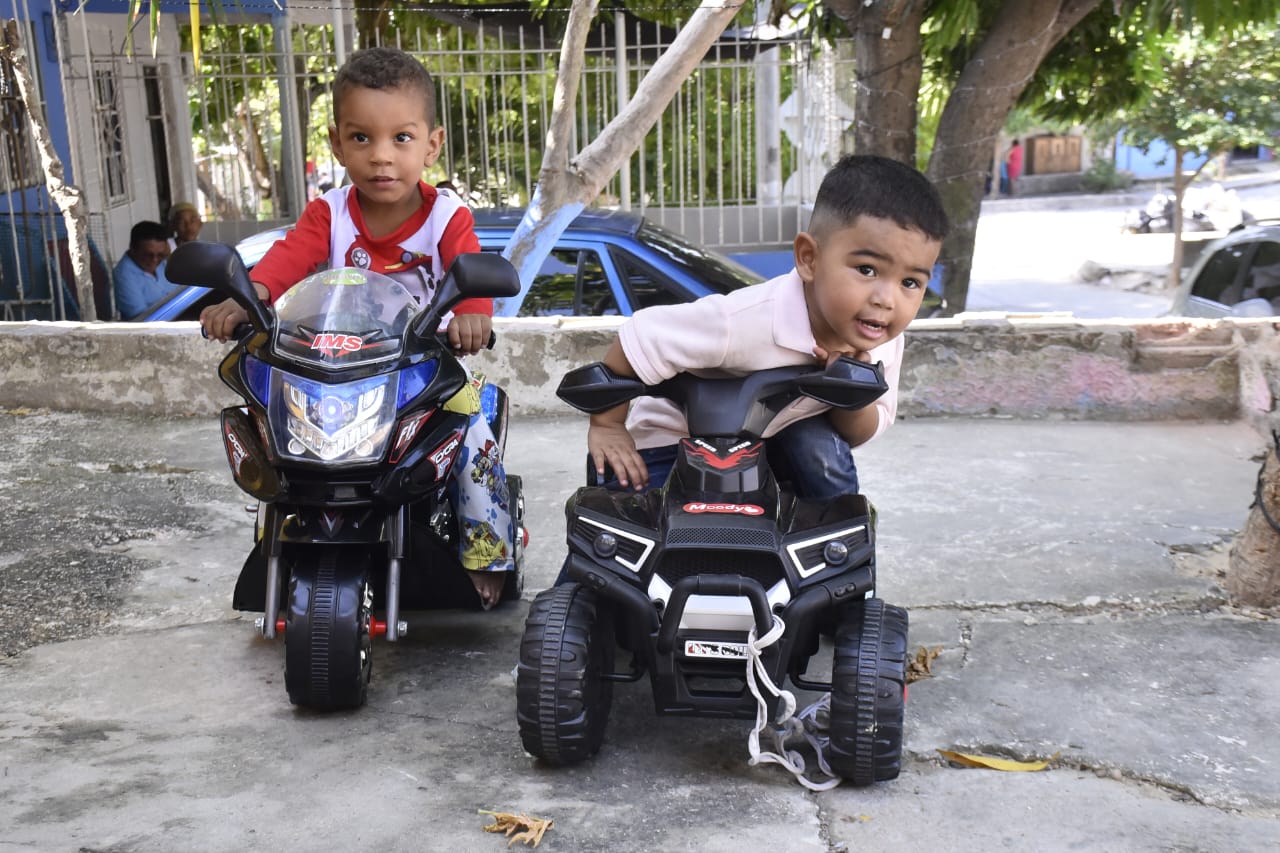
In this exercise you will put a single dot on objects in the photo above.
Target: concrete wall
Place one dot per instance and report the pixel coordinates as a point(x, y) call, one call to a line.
point(982, 365)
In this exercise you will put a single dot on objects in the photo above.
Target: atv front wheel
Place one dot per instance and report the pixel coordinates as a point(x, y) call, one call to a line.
point(327, 651)
point(562, 698)
point(868, 688)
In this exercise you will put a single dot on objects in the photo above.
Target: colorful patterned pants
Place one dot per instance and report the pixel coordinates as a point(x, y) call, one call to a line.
point(478, 487)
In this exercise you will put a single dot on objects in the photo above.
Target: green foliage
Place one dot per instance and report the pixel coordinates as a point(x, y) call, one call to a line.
point(1104, 65)
point(1111, 60)
point(1214, 93)
point(1103, 177)
point(1100, 66)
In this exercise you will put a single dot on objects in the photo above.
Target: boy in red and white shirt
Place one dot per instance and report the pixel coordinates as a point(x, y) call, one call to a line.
point(389, 221)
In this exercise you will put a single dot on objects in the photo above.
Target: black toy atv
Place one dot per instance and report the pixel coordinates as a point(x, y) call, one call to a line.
point(678, 576)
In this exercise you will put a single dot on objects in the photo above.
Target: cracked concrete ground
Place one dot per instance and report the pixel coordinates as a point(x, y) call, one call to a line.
point(1070, 573)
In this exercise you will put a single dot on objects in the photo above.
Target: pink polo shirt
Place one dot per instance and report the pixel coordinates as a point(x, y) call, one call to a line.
point(755, 328)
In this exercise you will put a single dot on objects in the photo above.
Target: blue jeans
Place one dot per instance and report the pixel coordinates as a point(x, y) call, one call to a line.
point(809, 454)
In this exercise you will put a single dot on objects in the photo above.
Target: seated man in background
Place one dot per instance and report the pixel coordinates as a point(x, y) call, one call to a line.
point(139, 276)
point(184, 223)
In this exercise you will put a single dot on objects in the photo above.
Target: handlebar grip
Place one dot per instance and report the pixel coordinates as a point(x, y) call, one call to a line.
point(443, 338)
point(239, 333)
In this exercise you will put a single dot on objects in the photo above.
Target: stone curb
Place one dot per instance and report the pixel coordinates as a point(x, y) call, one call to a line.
point(997, 365)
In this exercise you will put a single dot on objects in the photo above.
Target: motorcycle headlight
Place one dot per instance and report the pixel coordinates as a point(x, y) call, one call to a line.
point(347, 423)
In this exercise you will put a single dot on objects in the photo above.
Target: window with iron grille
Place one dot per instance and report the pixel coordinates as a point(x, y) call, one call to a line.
point(111, 132)
point(17, 148)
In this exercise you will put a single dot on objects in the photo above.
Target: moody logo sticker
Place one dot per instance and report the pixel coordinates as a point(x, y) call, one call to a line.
point(731, 509)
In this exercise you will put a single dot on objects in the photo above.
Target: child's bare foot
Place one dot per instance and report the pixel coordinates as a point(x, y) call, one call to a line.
point(489, 586)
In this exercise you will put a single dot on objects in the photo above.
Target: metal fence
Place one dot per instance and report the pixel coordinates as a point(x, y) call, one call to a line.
point(712, 148)
point(733, 163)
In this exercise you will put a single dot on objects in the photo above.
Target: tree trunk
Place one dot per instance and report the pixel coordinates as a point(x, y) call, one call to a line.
point(1179, 192)
point(259, 164)
point(66, 197)
point(371, 24)
point(888, 55)
point(1253, 575)
point(1021, 36)
point(227, 208)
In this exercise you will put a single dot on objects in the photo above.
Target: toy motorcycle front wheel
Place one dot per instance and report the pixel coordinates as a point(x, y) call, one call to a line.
point(562, 698)
point(327, 659)
point(868, 683)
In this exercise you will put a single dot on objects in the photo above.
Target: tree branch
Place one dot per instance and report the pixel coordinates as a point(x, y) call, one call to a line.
point(555, 156)
point(653, 94)
point(65, 196)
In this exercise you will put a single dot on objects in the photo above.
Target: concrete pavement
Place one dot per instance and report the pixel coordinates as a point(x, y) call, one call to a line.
point(1069, 571)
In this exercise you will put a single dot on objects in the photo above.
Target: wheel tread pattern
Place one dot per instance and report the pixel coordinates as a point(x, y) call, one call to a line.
point(562, 702)
point(327, 642)
point(867, 697)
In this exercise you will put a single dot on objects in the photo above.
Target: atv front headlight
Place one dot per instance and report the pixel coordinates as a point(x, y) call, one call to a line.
point(347, 423)
point(833, 549)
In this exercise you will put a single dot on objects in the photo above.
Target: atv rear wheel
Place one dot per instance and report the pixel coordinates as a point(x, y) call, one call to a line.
point(562, 698)
point(327, 651)
point(868, 688)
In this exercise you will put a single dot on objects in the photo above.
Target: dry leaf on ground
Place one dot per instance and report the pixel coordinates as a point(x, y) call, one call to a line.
point(519, 827)
point(988, 762)
point(922, 666)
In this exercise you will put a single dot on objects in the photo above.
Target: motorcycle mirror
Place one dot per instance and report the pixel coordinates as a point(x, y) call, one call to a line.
point(846, 383)
point(479, 275)
point(595, 388)
point(219, 267)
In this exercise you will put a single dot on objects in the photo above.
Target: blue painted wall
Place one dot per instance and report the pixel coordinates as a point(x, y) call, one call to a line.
point(1149, 165)
point(43, 54)
point(1157, 163)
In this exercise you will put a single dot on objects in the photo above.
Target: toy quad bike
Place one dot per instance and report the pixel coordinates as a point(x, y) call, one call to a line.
point(686, 576)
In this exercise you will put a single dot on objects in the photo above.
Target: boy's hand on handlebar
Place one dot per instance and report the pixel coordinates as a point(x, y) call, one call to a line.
point(220, 320)
point(469, 333)
point(611, 444)
point(826, 357)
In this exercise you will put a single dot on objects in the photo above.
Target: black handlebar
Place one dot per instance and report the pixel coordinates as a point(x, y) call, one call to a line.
point(443, 339)
point(239, 333)
point(243, 330)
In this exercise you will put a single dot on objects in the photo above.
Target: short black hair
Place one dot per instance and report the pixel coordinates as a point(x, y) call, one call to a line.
point(385, 68)
point(868, 185)
point(147, 230)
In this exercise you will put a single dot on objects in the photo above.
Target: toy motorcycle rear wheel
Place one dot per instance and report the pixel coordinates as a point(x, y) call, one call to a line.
point(513, 588)
point(562, 698)
point(327, 657)
point(868, 683)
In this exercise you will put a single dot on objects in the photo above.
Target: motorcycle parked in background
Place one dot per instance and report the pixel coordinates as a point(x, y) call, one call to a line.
point(1208, 208)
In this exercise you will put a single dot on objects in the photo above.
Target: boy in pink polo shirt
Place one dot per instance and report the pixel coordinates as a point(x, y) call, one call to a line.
point(860, 275)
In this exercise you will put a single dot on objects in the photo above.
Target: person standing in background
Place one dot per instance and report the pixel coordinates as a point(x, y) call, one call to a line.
point(1013, 164)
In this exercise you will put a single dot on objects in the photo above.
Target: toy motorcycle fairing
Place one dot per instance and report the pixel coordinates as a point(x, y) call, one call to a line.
point(346, 442)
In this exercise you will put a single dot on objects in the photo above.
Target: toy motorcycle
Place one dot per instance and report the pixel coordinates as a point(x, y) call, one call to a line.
point(345, 441)
point(686, 577)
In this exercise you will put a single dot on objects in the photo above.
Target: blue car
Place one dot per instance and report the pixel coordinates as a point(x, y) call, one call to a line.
point(605, 263)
